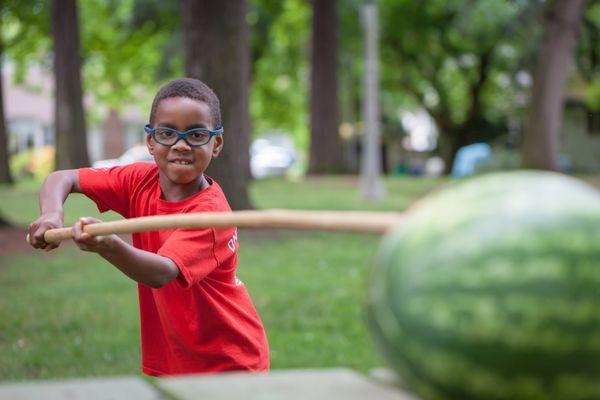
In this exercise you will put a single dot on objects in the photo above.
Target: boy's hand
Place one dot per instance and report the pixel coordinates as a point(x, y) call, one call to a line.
point(38, 227)
point(87, 242)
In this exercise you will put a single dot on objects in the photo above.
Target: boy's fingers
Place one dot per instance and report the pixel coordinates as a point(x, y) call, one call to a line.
point(86, 221)
point(37, 230)
point(51, 246)
point(89, 220)
point(79, 235)
point(34, 241)
point(37, 239)
point(82, 238)
point(77, 230)
point(32, 235)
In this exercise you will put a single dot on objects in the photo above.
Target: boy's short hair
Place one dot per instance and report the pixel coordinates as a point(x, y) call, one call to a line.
point(192, 89)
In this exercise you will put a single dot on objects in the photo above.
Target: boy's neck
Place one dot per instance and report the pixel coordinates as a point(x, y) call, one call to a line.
point(178, 191)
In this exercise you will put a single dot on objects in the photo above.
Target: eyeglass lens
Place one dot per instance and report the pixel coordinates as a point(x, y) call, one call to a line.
point(193, 138)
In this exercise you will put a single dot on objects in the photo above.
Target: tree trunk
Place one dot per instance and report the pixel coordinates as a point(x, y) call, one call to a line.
point(540, 147)
point(325, 143)
point(69, 118)
point(5, 176)
point(453, 136)
point(216, 47)
point(114, 135)
point(453, 140)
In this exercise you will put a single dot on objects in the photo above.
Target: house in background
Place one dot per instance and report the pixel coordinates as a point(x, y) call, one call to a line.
point(29, 113)
point(580, 138)
point(28, 110)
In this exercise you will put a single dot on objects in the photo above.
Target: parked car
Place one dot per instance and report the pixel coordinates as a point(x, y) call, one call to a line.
point(469, 158)
point(271, 155)
point(137, 153)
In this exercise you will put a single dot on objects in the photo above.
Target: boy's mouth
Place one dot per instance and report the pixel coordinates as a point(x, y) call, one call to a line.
point(181, 162)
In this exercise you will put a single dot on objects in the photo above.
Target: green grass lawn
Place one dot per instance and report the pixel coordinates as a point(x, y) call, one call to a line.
point(69, 313)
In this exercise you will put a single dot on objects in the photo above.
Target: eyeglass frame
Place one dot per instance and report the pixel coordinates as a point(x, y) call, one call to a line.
point(181, 134)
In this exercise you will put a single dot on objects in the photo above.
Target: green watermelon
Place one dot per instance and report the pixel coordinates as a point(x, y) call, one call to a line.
point(491, 290)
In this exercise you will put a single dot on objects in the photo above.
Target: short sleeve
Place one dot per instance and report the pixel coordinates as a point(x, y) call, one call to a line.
point(192, 250)
point(109, 188)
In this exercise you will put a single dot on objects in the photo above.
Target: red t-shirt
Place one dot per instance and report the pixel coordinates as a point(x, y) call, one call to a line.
point(203, 321)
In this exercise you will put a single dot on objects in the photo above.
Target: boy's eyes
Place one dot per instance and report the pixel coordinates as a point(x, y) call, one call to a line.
point(198, 135)
point(165, 133)
point(194, 137)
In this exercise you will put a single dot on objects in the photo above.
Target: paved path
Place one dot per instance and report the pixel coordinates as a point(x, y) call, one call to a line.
point(130, 388)
point(319, 384)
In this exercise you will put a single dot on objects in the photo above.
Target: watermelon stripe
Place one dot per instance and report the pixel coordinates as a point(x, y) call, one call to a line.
point(415, 376)
point(485, 310)
point(523, 237)
point(506, 309)
point(573, 262)
point(421, 375)
point(543, 290)
point(504, 358)
point(412, 355)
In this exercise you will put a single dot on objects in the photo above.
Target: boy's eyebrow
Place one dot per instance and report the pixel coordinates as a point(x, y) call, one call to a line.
point(172, 126)
point(194, 126)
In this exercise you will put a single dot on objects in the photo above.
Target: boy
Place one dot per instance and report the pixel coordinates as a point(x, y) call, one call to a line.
point(196, 316)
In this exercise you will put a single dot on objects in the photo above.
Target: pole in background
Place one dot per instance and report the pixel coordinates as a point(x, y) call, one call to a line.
point(370, 184)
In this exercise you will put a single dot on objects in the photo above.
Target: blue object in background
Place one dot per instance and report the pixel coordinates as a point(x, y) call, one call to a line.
point(468, 157)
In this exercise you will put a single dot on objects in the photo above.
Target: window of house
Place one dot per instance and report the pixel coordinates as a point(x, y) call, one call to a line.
point(593, 122)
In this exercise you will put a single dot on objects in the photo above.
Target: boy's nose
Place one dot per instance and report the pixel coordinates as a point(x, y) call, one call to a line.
point(181, 145)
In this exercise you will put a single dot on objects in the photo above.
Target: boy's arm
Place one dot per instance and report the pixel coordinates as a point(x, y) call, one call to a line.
point(53, 193)
point(142, 266)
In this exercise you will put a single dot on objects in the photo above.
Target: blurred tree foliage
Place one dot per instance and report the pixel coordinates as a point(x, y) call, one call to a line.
point(460, 60)
point(25, 32)
point(281, 65)
point(23, 27)
point(467, 62)
point(280, 73)
point(128, 47)
point(589, 54)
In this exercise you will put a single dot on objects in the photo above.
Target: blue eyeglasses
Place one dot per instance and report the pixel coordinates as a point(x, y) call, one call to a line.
point(193, 137)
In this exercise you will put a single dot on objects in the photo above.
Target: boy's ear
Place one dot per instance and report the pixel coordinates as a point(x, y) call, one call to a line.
point(218, 145)
point(150, 144)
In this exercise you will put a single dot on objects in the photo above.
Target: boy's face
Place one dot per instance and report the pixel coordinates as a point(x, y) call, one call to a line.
point(182, 163)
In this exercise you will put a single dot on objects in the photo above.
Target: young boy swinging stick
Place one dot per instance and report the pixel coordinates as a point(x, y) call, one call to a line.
point(196, 316)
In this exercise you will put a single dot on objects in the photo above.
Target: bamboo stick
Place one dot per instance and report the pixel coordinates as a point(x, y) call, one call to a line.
point(338, 221)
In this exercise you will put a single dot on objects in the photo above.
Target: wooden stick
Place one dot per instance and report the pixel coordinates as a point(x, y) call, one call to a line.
point(340, 221)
